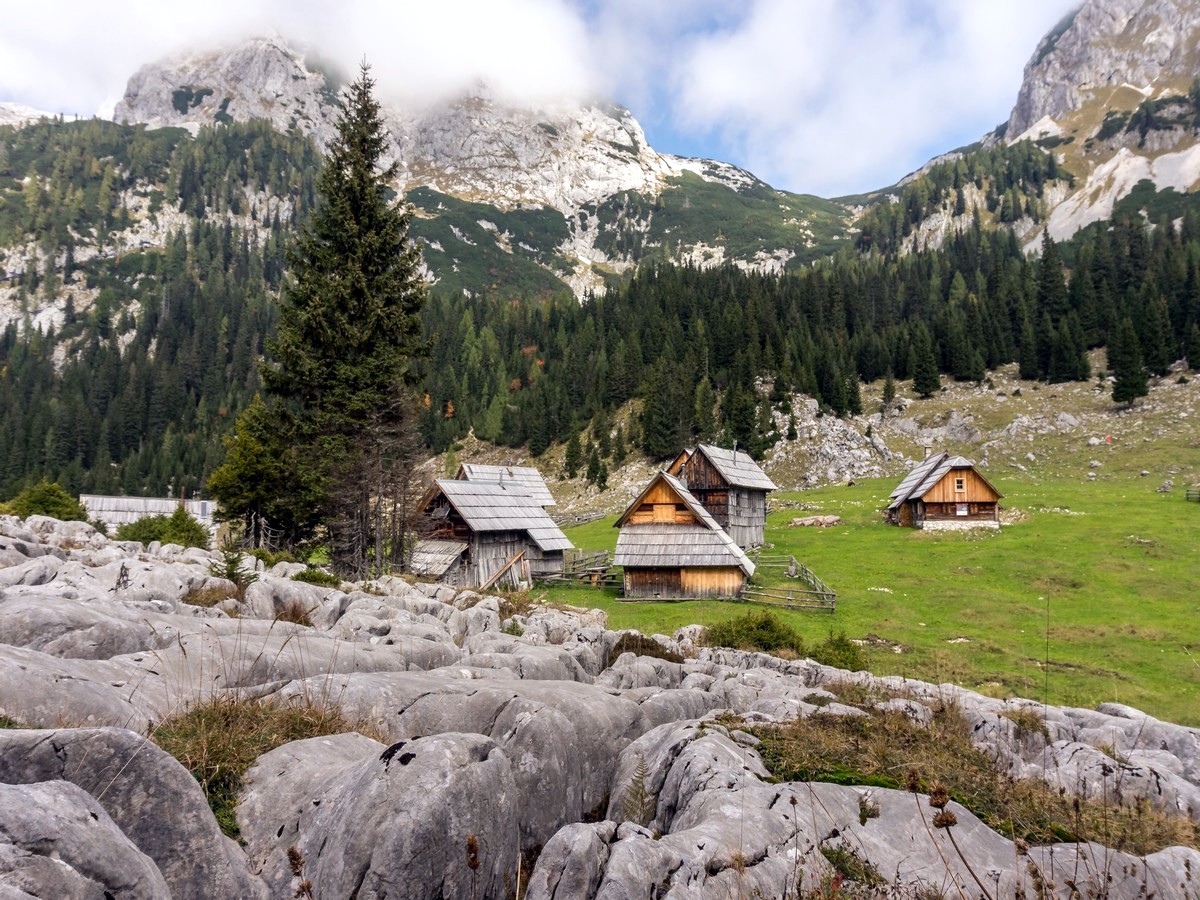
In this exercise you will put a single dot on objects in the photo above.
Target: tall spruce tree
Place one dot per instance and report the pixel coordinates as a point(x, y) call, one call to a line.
point(1125, 363)
point(349, 332)
point(926, 380)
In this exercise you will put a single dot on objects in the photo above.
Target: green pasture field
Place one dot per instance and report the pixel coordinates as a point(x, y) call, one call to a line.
point(1091, 596)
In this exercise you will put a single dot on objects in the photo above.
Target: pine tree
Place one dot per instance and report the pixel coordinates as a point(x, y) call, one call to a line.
point(348, 335)
point(926, 381)
point(1125, 363)
point(573, 456)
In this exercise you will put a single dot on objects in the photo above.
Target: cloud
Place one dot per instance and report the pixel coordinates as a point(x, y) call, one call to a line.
point(75, 57)
point(822, 96)
point(838, 96)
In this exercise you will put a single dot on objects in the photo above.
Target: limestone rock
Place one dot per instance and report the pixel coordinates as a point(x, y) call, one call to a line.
point(151, 798)
point(57, 841)
point(395, 823)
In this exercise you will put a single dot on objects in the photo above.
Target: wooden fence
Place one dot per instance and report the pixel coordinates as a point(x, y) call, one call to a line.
point(816, 594)
point(1193, 493)
point(567, 520)
point(592, 567)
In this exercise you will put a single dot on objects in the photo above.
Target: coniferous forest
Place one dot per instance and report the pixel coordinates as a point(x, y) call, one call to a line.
point(157, 348)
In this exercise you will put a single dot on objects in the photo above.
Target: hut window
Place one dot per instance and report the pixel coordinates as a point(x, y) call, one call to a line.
point(962, 509)
point(960, 485)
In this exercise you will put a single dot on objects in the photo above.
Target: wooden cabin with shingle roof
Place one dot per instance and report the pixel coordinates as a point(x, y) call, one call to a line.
point(944, 492)
point(473, 530)
point(526, 476)
point(671, 546)
point(732, 488)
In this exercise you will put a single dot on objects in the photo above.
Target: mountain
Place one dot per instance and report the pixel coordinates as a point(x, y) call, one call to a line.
point(1112, 94)
point(1113, 89)
point(511, 198)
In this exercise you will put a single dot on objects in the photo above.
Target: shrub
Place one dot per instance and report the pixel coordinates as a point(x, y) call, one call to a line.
point(177, 528)
point(839, 651)
point(761, 630)
point(317, 576)
point(47, 498)
point(232, 567)
point(271, 557)
point(632, 642)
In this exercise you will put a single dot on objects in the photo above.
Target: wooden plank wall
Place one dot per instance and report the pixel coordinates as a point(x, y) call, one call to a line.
point(661, 505)
point(492, 549)
point(698, 582)
point(747, 517)
point(976, 489)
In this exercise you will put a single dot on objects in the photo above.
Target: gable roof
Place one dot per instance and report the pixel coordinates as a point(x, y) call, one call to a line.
point(738, 469)
point(526, 476)
point(667, 545)
point(927, 473)
point(501, 506)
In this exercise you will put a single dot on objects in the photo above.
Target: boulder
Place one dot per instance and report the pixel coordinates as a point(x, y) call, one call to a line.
point(152, 799)
point(57, 841)
point(427, 818)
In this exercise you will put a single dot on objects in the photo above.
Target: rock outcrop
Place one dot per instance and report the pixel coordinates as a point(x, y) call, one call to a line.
point(633, 775)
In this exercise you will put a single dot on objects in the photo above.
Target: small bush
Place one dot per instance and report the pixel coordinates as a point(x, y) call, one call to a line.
point(177, 528)
point(47, 498)
point(761, 630)
point(632, 642)
point(271, 557)
point(232, 567)
point(318, 577)
point(839, 651)
point(6, 722)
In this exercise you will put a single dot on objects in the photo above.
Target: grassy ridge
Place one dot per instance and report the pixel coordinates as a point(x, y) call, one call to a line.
point(1091, 597)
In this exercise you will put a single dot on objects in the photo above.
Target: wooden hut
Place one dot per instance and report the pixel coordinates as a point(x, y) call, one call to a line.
point(473, 530)
point(671, 546)
point(944, 492)
point(527, 477)
point(732, 488)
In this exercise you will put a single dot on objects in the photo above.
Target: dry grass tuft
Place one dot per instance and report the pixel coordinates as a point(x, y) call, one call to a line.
point(219, 739)
point(295, 612)
point(886, 749)
point(208, 597)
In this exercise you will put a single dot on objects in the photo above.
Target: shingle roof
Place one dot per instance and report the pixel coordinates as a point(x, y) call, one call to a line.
point(663, 544)
point(503, 506)
point(920, 480)
point(527, 476)
point(433, 558)
point(737, 468)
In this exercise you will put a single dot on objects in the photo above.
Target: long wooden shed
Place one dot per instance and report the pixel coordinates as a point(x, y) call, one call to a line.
point(471, 530)
point(732, 488)
point(671, 546)
point(944, 492)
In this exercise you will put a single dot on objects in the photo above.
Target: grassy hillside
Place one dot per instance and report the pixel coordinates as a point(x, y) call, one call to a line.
point(1089, 596)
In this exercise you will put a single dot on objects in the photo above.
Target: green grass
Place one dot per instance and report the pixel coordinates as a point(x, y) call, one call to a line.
point(1090, 598)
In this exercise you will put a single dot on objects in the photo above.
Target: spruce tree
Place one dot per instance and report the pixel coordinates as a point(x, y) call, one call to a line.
point(349, 332)
point(926, 381)
point(573, 456)
point(1125, 363)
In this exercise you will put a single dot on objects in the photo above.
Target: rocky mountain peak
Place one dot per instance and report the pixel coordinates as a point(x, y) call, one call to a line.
point(263, 78)
point(1104, 46)
point(475, 146)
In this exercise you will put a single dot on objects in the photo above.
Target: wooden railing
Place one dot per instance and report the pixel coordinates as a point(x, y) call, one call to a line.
point(1193, 493)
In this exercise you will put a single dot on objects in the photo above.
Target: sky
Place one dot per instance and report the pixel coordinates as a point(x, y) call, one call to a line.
point(829, 97)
